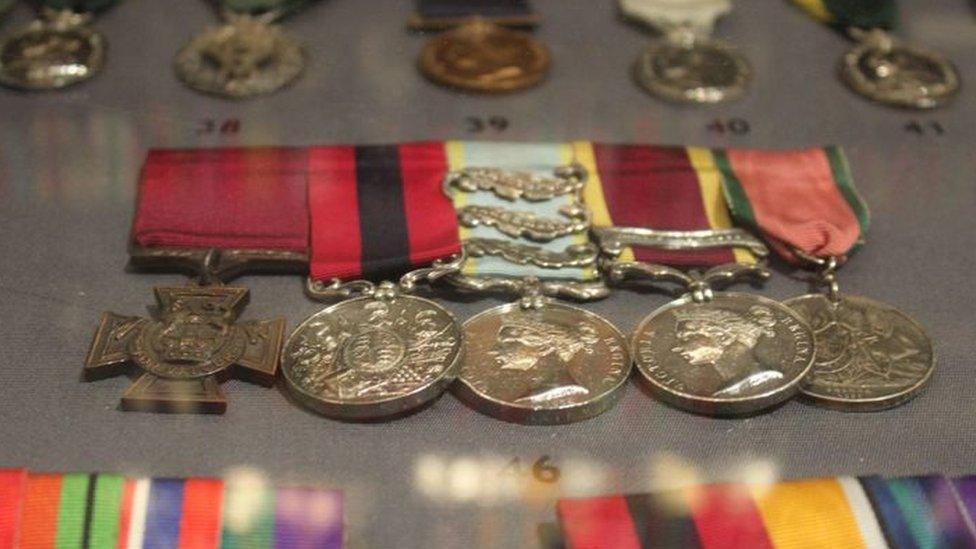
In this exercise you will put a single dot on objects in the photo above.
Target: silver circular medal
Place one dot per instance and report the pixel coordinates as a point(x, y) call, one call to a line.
point(547, 365)
point(870, 356)
point(373, 358)
point(246, 57)
point(736, 354)
point(899, 75)
point(52, 53)
point(693, 70)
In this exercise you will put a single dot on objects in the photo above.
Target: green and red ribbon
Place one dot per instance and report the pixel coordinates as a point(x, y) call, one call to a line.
point(798, 200)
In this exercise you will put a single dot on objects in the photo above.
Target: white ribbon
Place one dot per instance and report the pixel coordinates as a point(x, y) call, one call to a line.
point(698, 15)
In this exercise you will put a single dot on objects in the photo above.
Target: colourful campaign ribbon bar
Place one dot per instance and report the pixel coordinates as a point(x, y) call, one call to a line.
point(380, 210)
point(870, 512)
point(39, 511)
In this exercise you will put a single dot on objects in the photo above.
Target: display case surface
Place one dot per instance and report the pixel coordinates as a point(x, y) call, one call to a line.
point(449, 476)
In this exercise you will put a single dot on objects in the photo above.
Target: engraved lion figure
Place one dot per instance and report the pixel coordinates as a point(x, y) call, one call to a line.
point(191, 331)
point(725, 342)
point(544, 351)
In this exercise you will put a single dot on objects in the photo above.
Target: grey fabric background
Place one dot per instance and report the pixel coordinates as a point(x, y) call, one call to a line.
point(449, 477)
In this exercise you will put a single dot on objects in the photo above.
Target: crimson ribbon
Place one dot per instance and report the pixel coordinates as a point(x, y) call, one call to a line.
point(367, 211)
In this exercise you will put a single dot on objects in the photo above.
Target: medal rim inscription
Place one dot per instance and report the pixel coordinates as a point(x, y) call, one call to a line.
point(867, 404)
point(850, 74)
point(381, 408)
point(192, 51)
point(717, 406)
point(94, 63)
point(563, 414)
point(649, 82)
point(431, 66)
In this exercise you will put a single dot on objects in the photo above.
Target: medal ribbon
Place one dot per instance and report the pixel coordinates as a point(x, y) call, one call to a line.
point(111, 511)
point(224, 198)
point(355, 211)
point(801, 199)
point(700, 15)
point(536, 158)
point(378, 210)
point(870, 512)
point(432, 14)
point(77, 6)
point(866, 14)
point(257, 7)
point(662, 188)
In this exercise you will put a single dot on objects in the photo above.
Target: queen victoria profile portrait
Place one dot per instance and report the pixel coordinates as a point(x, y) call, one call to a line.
point(724, 343)
point(544, 352)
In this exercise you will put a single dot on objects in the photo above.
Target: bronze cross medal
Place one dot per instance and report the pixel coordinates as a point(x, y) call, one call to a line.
point(188, 350)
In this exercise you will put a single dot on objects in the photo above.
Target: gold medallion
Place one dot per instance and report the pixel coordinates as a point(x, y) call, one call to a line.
point(484, 57)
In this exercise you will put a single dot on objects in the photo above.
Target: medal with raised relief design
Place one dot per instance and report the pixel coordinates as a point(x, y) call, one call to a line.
point(684, 64)
point(870, 356)
point(536, 360)
point(540, 361)
point(184, 352)
point(720, 353)
point(377, 355)
point(881, 67)
point(58, 49)
point(660, 215)
point(249, 55)
point(382, 351)
point(480, 48)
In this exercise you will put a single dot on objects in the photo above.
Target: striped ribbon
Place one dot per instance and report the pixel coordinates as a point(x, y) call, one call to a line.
point(378, 211)
point(867, 14)
point(283, 7)
point(536, 158)
point(67, 511)
point(662, 188)
point(439, 14)
point(78, 6)
point(374, 211)
point(472, 8)
point(800, 199)
point(868, 512)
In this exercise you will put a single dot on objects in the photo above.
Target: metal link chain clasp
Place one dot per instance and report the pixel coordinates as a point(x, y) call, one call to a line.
point(336, 288)
point(826, 268)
